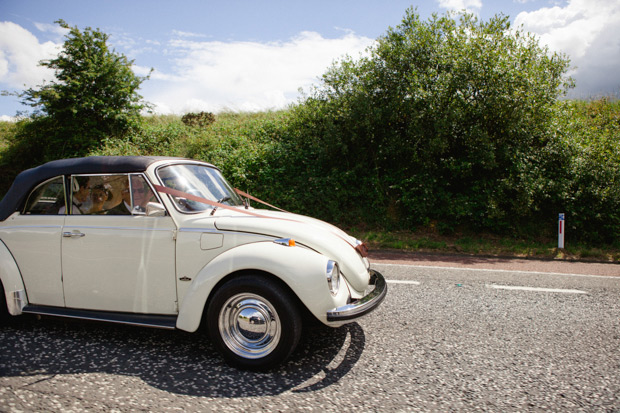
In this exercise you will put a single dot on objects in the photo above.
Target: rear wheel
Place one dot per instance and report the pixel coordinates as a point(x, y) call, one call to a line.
point(4, 309)
point(254, 322)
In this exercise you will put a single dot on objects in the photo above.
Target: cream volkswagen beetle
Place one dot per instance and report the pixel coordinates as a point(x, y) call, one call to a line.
point(166, 242)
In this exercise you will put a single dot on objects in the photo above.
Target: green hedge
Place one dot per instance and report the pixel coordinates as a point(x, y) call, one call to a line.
point(274, 156)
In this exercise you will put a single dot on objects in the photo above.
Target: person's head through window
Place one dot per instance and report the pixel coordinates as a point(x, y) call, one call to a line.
point(142, 193)
point(80, 190)
point(99, 194)
point(80, 196)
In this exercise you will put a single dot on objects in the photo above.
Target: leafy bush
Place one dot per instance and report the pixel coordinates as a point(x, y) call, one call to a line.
point(202, 119)
point(238, 143)
point(591, 188)
point(156, 135)
point(444, 120)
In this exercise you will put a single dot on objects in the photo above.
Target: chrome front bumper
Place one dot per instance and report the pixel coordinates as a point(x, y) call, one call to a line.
point(365, 304)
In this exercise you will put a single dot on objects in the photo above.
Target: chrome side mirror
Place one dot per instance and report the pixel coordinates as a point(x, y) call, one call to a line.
point(155, 209)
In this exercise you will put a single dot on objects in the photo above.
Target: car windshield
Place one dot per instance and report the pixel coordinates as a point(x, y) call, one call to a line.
point(198, 180)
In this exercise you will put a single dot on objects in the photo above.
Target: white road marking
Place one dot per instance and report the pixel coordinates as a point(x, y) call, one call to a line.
point(491, 270)
point(403, 282)
point(535, 289)
point(506, 287)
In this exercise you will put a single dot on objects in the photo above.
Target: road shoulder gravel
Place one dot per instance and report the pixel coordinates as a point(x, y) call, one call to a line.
point(495, 263)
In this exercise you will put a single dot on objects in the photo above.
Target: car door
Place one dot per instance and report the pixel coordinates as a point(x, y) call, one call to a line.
point(114, 259)
point(33, 237)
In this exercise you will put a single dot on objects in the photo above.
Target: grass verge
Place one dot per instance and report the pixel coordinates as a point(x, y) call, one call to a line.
point(484, 244)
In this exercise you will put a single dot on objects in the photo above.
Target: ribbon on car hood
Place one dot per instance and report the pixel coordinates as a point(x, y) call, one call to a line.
point(362, 248)
point(253, 198)
point(181, 194)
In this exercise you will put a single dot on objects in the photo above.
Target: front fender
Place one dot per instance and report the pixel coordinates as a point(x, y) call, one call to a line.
point(303, 270)
point(11, 277)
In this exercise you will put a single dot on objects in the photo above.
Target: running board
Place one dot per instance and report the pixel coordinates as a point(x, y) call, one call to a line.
point(145, 320)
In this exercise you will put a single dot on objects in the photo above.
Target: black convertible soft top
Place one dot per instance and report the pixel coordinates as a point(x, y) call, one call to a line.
point(26, 180)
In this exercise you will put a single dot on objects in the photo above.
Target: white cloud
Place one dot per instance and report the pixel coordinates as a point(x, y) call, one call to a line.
point(56, 30)
point(213, 75)
point(180, 33)
point(6, 118)
point(20, 53)
point(588, 31)
point(201, 74)
point(472, 6)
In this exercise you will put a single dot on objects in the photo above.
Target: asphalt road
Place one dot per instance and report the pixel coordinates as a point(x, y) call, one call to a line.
point(445, 339)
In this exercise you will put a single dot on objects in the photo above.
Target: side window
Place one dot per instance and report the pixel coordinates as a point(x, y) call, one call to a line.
point(47, 199)
point(98, 194)
point(118, 194)
point(141, 194)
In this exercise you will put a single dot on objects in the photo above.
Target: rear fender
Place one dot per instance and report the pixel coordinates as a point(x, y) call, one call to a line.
point(14, 291)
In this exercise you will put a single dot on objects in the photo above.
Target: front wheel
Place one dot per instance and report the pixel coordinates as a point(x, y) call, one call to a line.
point(254, 322)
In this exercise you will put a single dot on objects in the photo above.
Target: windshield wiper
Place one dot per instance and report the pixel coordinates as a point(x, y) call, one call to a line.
point(226, 198)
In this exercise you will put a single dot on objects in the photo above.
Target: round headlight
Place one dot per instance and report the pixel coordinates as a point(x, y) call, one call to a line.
point(333, 276)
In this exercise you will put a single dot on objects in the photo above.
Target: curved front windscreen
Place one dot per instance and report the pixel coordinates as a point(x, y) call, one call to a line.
point(198, 180)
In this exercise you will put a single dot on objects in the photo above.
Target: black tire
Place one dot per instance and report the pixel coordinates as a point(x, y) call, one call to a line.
point(4, 309)
point(254, 322)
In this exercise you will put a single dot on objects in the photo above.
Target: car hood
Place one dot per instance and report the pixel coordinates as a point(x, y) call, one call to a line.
point(318, 235)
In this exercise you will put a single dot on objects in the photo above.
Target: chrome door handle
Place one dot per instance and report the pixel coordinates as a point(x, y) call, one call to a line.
point(73, 234)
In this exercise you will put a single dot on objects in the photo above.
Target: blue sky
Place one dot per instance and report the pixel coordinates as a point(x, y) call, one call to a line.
point(256, 55)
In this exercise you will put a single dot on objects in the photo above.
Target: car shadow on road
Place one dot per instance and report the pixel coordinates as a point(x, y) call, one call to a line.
point(173, 361)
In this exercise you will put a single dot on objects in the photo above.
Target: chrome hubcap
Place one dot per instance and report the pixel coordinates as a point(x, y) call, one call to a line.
point(249, 325)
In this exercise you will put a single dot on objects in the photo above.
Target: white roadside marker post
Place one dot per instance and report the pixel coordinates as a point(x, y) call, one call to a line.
point(561, 231)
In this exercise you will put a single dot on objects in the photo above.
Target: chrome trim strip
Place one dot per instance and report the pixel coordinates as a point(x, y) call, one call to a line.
point(85, 226)
point(141, 320)
point(70, 226)
point(3, 228)
point(106, 174)
point(285, 241)
point(210, 230)
point(182, 161)
point(226, 232)
point(365, 304)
